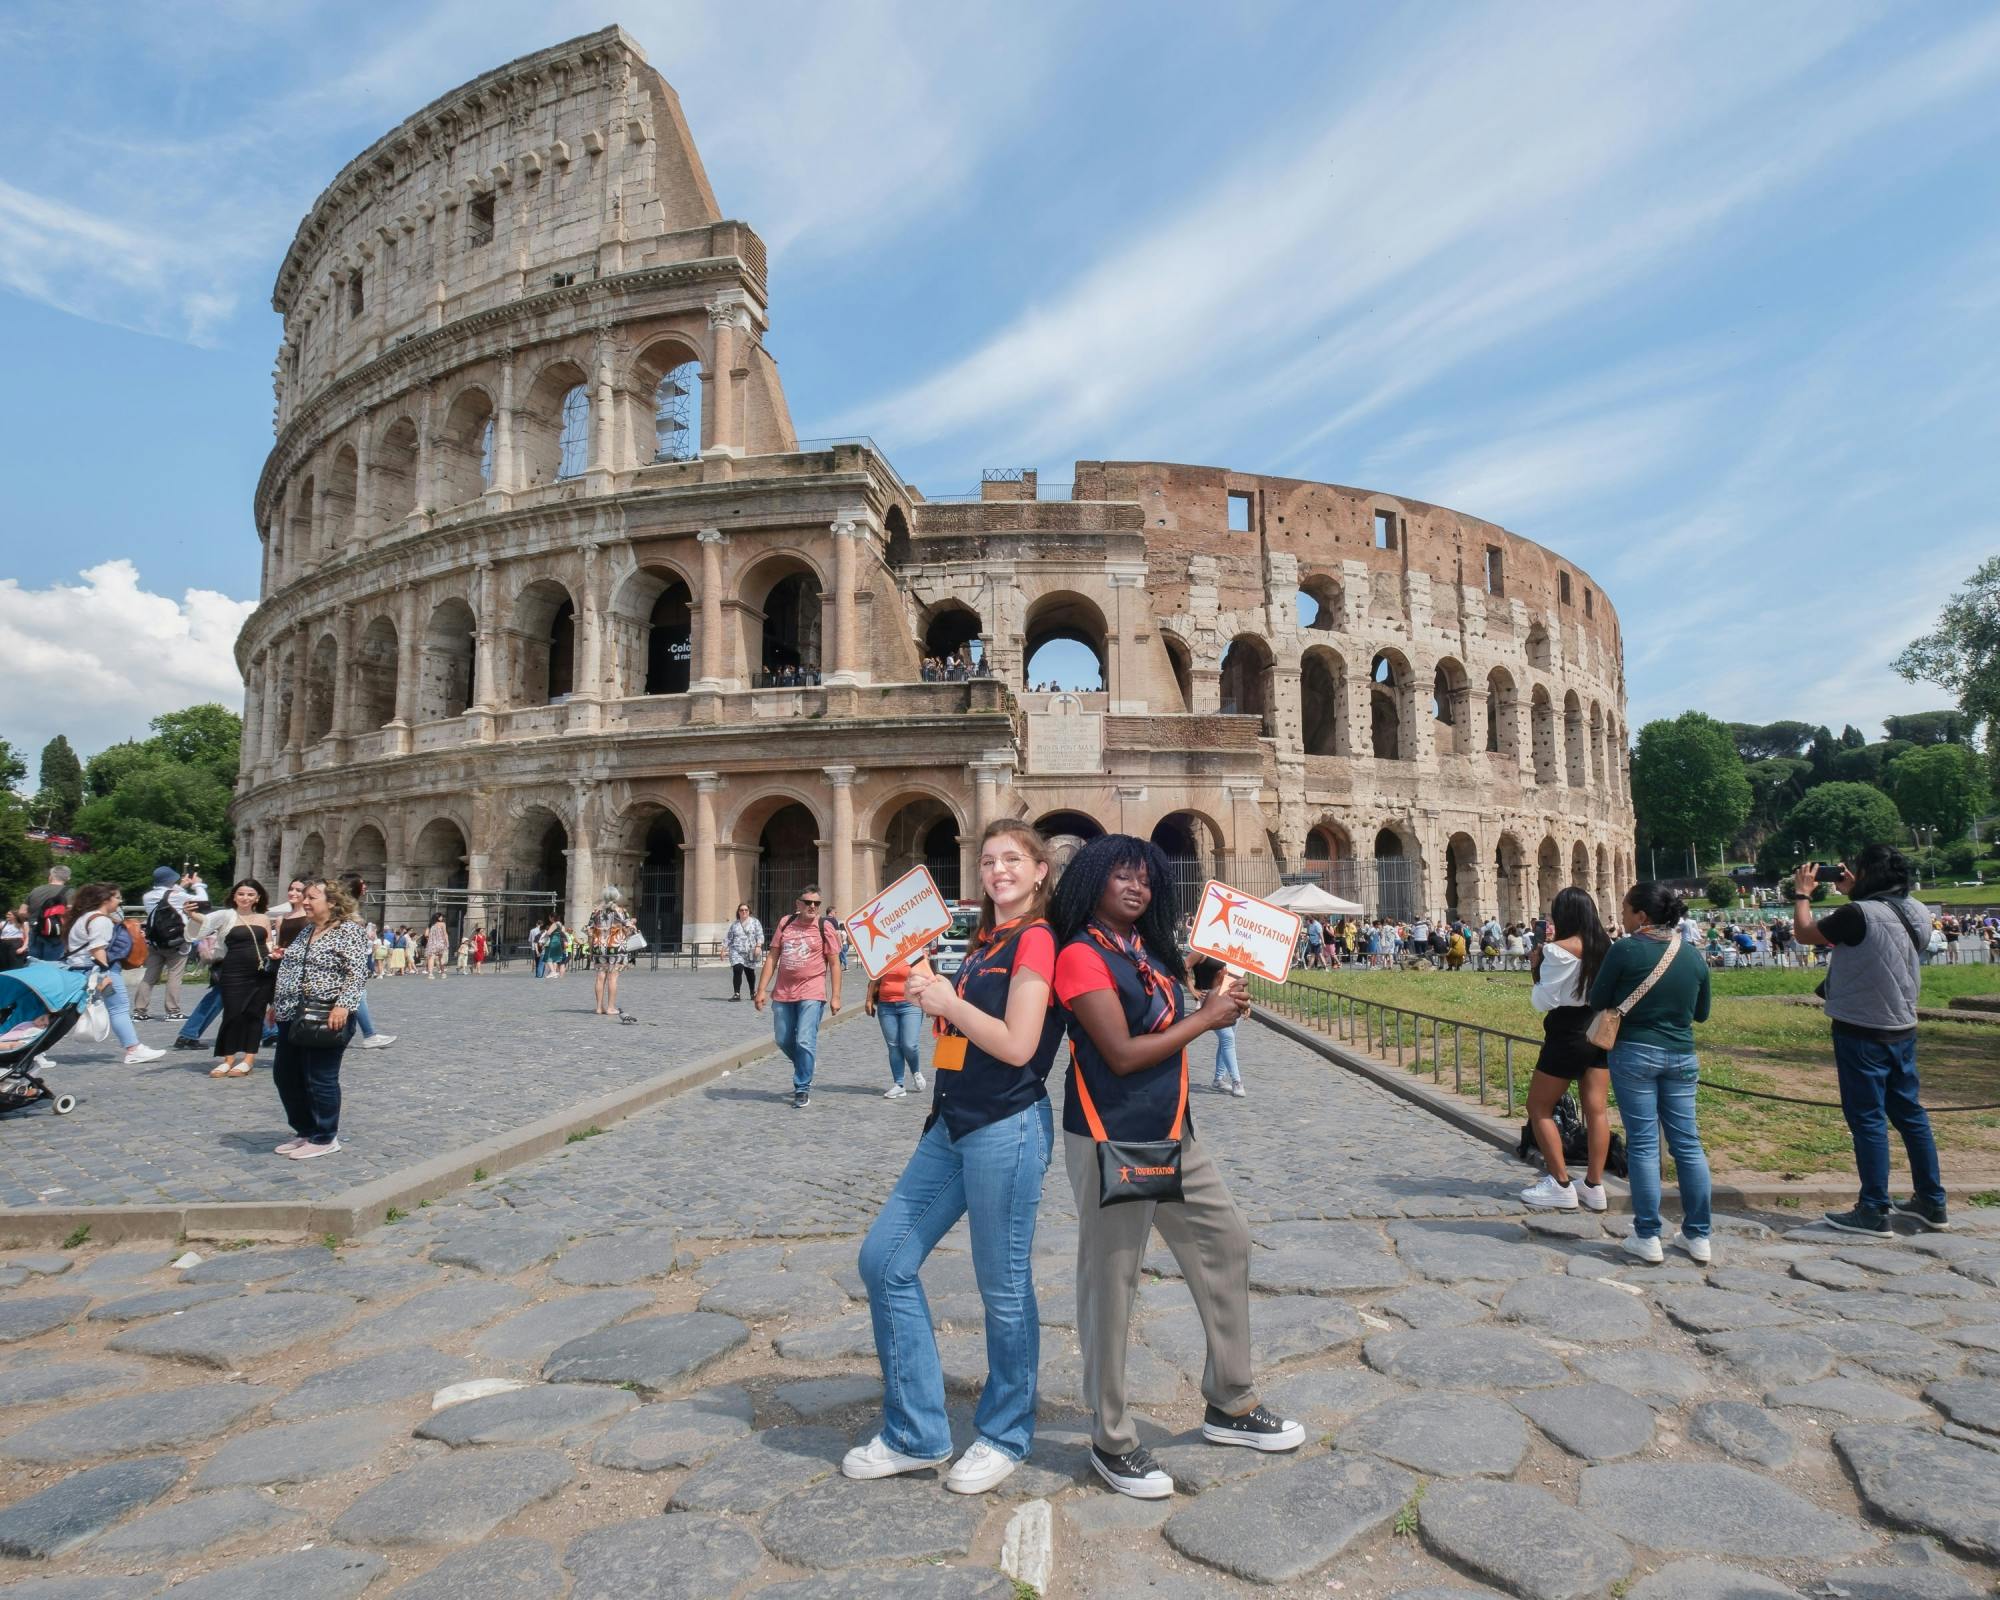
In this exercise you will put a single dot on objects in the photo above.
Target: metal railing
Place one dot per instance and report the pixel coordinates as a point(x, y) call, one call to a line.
point(1378, 1029)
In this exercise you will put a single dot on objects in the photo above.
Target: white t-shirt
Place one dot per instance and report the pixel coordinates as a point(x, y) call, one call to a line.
point(177, 897)
point(1560, 982)
point(92, 933)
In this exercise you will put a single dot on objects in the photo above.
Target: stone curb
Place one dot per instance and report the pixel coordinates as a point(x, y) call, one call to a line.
point(359, 1209)
point(1792, 1203)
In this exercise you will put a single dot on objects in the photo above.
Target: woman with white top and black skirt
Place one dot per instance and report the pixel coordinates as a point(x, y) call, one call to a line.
point(1564, 964)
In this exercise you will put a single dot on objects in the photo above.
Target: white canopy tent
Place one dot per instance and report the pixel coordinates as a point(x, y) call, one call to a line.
point(1310, 900)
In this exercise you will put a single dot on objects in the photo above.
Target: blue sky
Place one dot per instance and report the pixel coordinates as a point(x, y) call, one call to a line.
point(1707, 297)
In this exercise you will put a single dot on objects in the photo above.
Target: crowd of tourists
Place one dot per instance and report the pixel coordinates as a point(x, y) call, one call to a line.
point(952, 668)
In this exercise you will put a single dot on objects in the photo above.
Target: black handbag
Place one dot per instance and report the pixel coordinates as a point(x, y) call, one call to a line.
point(1135, 1169)
point(313, 1029)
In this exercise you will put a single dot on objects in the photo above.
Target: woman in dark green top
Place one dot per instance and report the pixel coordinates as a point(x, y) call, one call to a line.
point(1653, 1064)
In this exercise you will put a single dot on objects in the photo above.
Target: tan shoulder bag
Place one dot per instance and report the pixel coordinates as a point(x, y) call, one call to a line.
point(1603, 1029)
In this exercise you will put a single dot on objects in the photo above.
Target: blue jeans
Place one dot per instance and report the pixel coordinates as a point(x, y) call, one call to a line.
point(795, 1023)
point(40, 949)
point(308, 1085)
point(901, 1021)
point(994, 1175)
point(1226, 1070)
point(1878, 1086)
point(1655, 1089)
point(206, 1010)
point(361, 1016)
point(119, 1005)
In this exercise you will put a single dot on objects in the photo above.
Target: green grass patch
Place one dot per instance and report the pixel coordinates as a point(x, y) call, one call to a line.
point(78, 1238)
point(582, 1134)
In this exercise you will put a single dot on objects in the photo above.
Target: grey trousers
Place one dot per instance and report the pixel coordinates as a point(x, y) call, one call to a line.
point(162, 964)
point(1211, 1242)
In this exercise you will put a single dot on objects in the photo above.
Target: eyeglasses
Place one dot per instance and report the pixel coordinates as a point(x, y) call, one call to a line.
point(805, 902)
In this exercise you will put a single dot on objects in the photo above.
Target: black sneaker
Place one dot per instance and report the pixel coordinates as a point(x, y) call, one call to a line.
point(1135, 1473)
point(1257, 1428)
point(186, 1044)
point(799, 1098)
point(1932, 1217)
point(1862, 1219)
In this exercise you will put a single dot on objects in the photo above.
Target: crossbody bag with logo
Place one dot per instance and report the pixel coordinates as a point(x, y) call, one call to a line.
point(1135, 1169)
point(1603, 1029)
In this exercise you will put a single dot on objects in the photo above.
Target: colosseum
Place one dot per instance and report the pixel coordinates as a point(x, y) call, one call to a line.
point(554, 598)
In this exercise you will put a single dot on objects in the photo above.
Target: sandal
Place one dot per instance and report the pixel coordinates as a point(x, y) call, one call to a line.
point(240, 1070)
point(219, 1072)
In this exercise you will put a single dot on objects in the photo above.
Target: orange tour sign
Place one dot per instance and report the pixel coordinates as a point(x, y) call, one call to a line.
point(1239, 930)
point(898, 922)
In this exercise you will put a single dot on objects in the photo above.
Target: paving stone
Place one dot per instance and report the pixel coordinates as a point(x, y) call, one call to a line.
point(501, 1246)
point(753, 1473)
point(1195, 1465)
point(1940, 1286)
point(1896, 1583)
point(1708, 1508)
point(131, 1423)
point(241, 1267)
point(232, 1333)
point(1281, 1329)
point(1769, 1357)
point(1280, 1524)
point(435, 1314)
point(1523, 1538)
point(1830, 1274)
point(532, 1335)
point(81, 1506)
point(1450, 1252)
point(1298, 1270)
point(771, 1258)
point(653, 1352)
point(760, 1296)
point(817, 1397)
point(543, 1412)
point(1592, 1420)
point(299, 1452)
point(1915, 1479)
point(456, 1499)
point(1150, 1379)
point(1464, 1358)
point(1442, 1435)
point(196, 1526)
point(37, 1381)
point(1980, 1269)
point(1719, 1311)
point(25, 1316)
point(359, 1279)
point(157, 1302)
point(1427, 1306)
point(1985, 1336)
point(612, 1260)
point(324, 1573)
point(500, 1569)
point(851, 1338)
point(81, 1589)
point(890, 1583)
point(1887, 1260)
point(662, 1558)
point(675, 1433)
point(1653, 1375)
point(1892, 1351)
point(46, 1264)
point(1868, 1305)
point(841, 1523)
point(1586, 1225)
point(1319, 1399)
point(1576, 1308)
point(1708, 1580)
point(1749, 1280)
point(1447, 1592)
point(372, 1381)
point(119, 1267)
point(1848, 1399)
point(1093, 1515)
point(1970, 1402)
point(1747, 1432)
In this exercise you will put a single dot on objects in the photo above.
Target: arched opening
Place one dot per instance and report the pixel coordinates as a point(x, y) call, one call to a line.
point(787, 860)
point(656, 898)
point(338, 518)
point(896, 536)
point(437, 859)
point(1193, 845)
point(1579, 866)
point(1398, 872)
point(1542, 716)
point(1538, 648)
point(552, 426)
point(1503, 715)
point(951, 643)
point(1603, 889)
point(1323, 703)
point(1451, 709)
point(539, 860)
point(574, 445)
point(1321, 604)
point(649, 628)
point(1329, 858)
point(1075, 824)
point(1575, 760)
point(1461, 877)
point(450, 640)
point(1508, 866)
point(1246, 680)
point(670, 641)
point(1388, 706)
point(545, 644)
point(367, 858)
point(375, 676)
point(783, 618)
point(666, 415)
point(462, 455)
point(392, 473)
point(323, 670)
point(299, 551)
point(923, 833)
point(312, 856)
point(1065, 644)
point(1180, 661)
point(1596, 738)
point(1548, 875)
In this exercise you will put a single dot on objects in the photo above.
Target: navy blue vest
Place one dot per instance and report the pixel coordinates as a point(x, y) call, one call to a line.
point(1139, 1105)
point(986, 1090)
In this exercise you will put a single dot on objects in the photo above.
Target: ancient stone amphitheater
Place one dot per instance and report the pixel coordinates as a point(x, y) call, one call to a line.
point(554, 598)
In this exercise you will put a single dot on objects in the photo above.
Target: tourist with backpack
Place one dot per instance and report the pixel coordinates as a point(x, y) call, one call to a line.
point(98, 938)
point(801, 981)
point(167, 946)
point(47, 916)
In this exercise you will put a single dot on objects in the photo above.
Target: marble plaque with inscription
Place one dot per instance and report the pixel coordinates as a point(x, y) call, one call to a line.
point(1065, 738)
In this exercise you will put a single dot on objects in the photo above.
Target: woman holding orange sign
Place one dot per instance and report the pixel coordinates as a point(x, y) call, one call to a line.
point(983, 1154)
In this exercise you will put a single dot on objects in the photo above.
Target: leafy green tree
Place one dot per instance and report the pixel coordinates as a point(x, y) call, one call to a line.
point(1821, 753)
point(1962, 653)
point(1688, 784)
point(1835, 821)
point(24, 862)
point(12, 768)
point(1929, 727)
point(1771, 739)
point(206, 736)
point(62, 784)
point(160, 814)
point(104, 771)
point(1852, 738)
point(1871, 763)
point(1776, 786)
point(1941, 786)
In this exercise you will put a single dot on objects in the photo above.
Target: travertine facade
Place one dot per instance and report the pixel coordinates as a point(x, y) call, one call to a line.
point(541, 553)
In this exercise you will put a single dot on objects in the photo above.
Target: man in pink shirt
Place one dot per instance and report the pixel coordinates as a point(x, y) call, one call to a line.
point(804, 958)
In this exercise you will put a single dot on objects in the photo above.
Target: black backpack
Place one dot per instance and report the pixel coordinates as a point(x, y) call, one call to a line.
point(1576, 1146)
point(55, 916)
point(166, 929)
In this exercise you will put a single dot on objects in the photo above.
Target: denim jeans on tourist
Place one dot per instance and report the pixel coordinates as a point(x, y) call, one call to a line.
point(795, 1024)
point(361, 1016)
point(119, 1005)
point(1878, 1086)
point(902, 1022)
point(1655, 1089)
point(206, 1010)
point(994, 1176)
point(1225, 1056)
point(308, 1083)
point(40, 949)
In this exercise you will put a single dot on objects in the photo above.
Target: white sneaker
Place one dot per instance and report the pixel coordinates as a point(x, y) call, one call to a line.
point(1647, 1250)
point(895, 1091)
point(287, 1147)
point(979, 1469)
point(140, 1054)
point(307, 1149)
point(1237, 1090)
point(876, 1460)
point(1700, 1249)
point(916, 1083)
point(378, 1041)
point(1592, 1195)
point(1548, 1195)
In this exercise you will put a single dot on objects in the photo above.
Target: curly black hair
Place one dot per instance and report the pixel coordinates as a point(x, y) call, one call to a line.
point(1082, 886)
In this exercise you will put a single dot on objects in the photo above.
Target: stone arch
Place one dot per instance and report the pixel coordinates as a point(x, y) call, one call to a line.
point(438, 854)
point(1321, 603)
point(668, 424)
point(1603, 889)
point(1323, 714)
point(781, 600)
point(653, 856)
point(1390, 720)
point(1503, 715)
point(1576, 764)
point(337, 519)
point(1462, 896)
point(366, 856)
point(1548, 874)
point(1540, 656)
point(450, 644)
point(552, 424)
point(921, 828)
point(322, 672)
point(1509, 872)
point(376, 656)
point(312, 856)
point(462, 452)
point(1195, 846)
point(778, 834)
point(1246, 681)
point(651, 625)
point(1542, 723)
point(949, 627)
point(392, 474)
point(1451, 708)
point(1579, 866)
point(537, 852)
point(544, 665)
point(1596, 745)
point(1065, 617)
point(1399, 868)
point(1180, 661)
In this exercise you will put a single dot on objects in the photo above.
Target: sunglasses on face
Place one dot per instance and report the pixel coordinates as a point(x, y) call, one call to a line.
point(808, 902)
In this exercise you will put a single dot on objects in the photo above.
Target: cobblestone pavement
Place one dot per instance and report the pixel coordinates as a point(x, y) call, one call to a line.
point(473, 1058)
point(1496, 1404)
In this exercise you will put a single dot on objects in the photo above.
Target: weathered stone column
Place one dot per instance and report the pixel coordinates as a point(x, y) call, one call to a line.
point(295, 735)
point(841, 843)
point(722, 384)
point(587, 690)
point(705, 923)
point(423, 493)
point(343, 671)
point(409, 671)
point(600, 463)
point(583, 885)
point(289, 836)
point(503, 431)
point(844, 536)
point(714, 675)
point(363, 527)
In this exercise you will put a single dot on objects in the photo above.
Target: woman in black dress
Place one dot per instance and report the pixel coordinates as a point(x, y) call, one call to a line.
point(1565, 965)
point(242, 946)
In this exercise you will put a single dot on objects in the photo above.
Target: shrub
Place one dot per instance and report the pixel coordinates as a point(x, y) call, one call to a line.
point(1721, 892)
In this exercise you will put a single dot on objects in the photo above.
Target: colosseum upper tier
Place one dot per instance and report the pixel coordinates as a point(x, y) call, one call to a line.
point(553, 598)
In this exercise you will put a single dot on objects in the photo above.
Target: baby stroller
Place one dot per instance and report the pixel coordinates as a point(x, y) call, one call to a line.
point(39, 1004)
